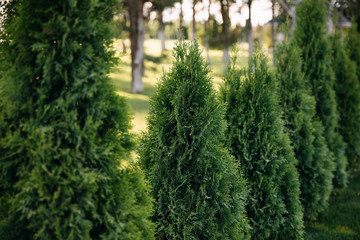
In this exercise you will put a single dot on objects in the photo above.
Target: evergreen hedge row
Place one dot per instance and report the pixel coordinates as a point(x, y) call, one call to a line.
point(255, 136)
point(310, 36)
point(352, 46)
point(315, 165)
point(347, 89)
point(65, 141)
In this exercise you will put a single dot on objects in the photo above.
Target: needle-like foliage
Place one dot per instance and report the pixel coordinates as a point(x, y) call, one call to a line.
point(256, 137)
point(306, 133)
point(310, 36)
point(64, 133)
point(198, 190)
point(352, 44)
point(347, 89)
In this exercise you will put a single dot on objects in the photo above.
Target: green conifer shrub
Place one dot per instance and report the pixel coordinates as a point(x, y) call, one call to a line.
point(315, 165)
point(310, 36)
point(64, 133)
point(198, 191)
point(347, 89)
point(256, 137)
point(352, 44)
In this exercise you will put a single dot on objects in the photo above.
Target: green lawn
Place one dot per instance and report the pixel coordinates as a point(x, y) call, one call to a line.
point(341, 221)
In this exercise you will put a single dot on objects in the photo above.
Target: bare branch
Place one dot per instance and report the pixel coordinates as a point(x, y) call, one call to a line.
point(286, 8)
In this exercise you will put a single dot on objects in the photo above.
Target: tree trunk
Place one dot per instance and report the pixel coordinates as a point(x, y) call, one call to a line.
point(330, 24)
point(206, 37)
point(250, 33)
point(137, 36)
point(260, 31)
point(291, 12)
point(181, 19)
point(194, 37)
point(123, 46)
point(225, 6)
point(226, 57)
point(162, 31)
point(273, 30)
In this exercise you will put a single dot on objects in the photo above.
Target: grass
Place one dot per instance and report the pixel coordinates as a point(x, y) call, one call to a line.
point(341, 221)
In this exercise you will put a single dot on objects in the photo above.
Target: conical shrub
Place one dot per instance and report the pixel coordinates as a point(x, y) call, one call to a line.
point(64, 133)
point(310, 36)
point(315, 165)
point(255, 136)
point(347, 89)
point(197, 187)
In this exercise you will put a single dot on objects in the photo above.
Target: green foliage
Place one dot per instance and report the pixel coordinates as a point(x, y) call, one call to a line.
point(347, 89)
point(352, 44)
point(306, 134)
point(311, 37)
point(256, 138)
point(198, 191)
point(64, 132)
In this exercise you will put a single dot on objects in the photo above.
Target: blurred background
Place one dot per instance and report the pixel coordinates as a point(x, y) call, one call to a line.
point(146, 31)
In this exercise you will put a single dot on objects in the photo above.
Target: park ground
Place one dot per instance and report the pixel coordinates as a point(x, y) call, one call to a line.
point(341, 221)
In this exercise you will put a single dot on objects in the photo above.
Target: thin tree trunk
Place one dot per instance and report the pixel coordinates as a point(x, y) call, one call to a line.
point(291, 12)
point(181, 22)
point(225, 6)
point(137, 35)
point(162, 31)
point(123, 46)
point(260, 30)
point(226, 57)
point(330, 24)
point(206, 38)
point(250, 33)
point(273, 30)
point(194, 37)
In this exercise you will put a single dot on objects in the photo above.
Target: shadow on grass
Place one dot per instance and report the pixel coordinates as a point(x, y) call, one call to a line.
point(341, 221)
point(121, 82)
point(157, 59)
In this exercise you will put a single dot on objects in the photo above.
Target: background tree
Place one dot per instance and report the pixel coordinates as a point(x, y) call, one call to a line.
point(207, 30)
point(225, 9)
point(194, 31)
point(64, 132)
point(255, 136)
point(315, 165)
point(159, 6)
point(310, 36)
point(198, 191)
point(137, 38)
point(249, 29)
point(347, 89)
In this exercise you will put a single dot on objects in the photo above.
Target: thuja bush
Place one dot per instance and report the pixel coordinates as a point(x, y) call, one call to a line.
point(310, 36)
point(352, 45)
point(64, 132)
point(198, 190)
point(256, 137)
point(347, 89)
point(315, 165)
